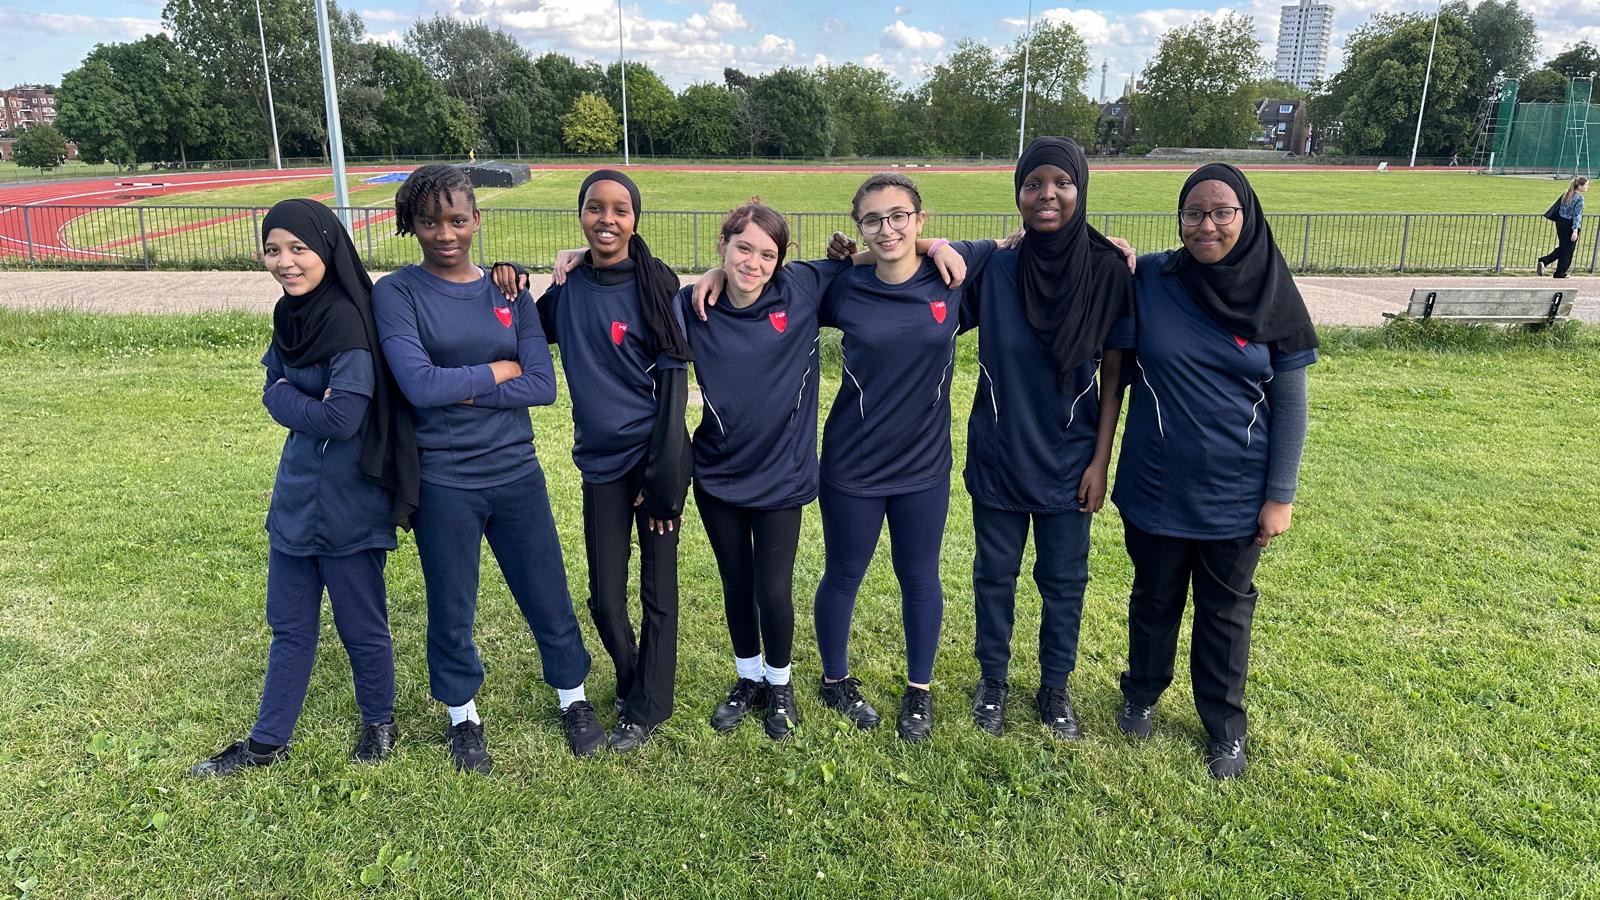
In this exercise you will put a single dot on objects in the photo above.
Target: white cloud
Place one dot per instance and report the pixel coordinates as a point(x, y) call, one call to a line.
point(909, 37)
point(901, 10)
point(387, 15)
point(111, 28)
point(392, 37)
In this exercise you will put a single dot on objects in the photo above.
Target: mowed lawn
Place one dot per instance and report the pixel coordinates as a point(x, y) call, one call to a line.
point(1423, 685)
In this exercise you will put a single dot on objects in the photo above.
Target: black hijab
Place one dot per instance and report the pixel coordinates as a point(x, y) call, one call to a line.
point(335, 316)
point(1250, 291)
point(1074, 283)
point(658, 284)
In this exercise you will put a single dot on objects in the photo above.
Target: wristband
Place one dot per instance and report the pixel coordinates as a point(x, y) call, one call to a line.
point(937, 245)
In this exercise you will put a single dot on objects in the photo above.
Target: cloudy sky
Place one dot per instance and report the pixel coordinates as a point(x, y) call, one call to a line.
point(692, 40)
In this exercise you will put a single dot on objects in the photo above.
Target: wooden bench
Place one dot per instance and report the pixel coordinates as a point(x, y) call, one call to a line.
point(1491, 306)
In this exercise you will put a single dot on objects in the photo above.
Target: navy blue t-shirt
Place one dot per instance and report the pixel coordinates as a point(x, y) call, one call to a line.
point(1027, 442)
point(322, 504)
point(1194, 449)
point(439, 338)
point(601, 332)
point(889, 430)
point(757, 368)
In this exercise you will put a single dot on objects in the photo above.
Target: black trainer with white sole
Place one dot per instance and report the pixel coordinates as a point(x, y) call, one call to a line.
point(915, 722)
point(989, 706)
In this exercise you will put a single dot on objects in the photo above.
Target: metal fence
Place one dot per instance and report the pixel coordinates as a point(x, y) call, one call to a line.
point(227, 237)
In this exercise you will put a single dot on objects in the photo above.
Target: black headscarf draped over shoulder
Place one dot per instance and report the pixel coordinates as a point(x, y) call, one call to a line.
point(657, 283)
point(1074, 283)
point(336, 316)
point(1250, 291)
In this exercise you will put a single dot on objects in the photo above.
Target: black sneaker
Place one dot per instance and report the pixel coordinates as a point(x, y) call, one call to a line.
point(628, 736)
point(741, 697)
point(1225, 759)
point(468, 750)
point(585, 737)
point(916, 715)
point(376, 741)
point(845, 697)
point(1055, 711)
point(235, 758)
point(1134, 720)
point(782, 713)
point(989, 706)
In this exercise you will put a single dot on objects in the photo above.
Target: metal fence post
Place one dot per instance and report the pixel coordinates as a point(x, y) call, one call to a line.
point(255, 229)
point(1500, 253)
point(1305, 245)
point(799, 222)
point(1405, 240)
point(483, 238)
point(694, 219)
point(144, 240)
point(1595, 253)
point(27, 232)
point(366, 222)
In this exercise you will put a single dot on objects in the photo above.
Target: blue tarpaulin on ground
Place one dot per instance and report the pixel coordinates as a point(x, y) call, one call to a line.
point(387, 178)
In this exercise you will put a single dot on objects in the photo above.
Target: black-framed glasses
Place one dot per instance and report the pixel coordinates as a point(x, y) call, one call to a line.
point(1222, 215)
point(897, 220)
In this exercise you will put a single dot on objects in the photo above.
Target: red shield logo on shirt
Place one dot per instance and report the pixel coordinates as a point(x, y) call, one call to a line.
point(1241, 341)
point(503, 313)
point(619, 330)
point(938, 308)
point(779, 320)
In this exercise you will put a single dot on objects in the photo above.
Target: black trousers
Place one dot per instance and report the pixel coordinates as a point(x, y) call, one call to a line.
point(755, 551)
point(1565, 245)
point(646, 666)
point(1222, 573)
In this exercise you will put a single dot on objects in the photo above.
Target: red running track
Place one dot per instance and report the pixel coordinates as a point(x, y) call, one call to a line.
point(49, 228)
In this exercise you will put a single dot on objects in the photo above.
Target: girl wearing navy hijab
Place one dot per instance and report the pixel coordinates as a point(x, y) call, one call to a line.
point(625, 358)
point(472, 364)
point(1211, 450)
point(1039, 436)
point(347, 475)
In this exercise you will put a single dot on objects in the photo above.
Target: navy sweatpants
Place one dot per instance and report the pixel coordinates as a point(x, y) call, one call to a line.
point(294, 612)
point(450, 524)
point(850, 528)
point(1061, 573)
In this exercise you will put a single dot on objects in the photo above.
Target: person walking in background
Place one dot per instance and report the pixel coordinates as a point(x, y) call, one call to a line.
point(1567, 213)
point(1211, 450)
point(347, 475)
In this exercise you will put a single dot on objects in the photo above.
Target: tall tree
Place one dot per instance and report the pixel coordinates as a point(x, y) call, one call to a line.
point(592, 126)
point(40, 147)
point(796, 113)
point(95, 109)
point(652, 107)
point(1058, 64)
point(1195, 87)
point(1507, 37)
point(1579, 60)
point(863, 102)
point(969, 110)
point(488, 70)
point(137, 102)
point(564, 80)
point(707, 121)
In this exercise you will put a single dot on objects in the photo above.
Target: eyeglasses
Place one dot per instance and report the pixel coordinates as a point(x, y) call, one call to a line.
point(1222, 215)
point(874, 224)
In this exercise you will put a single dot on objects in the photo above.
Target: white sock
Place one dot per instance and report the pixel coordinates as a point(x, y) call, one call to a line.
point(776, 675)
point(466, 712)
point(748, 666)
point(565, 697)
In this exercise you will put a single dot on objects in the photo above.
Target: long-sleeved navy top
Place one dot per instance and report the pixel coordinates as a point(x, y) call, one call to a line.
point(1027, 442)
point(322, 504)
point(889, 429)
point(757, 367)
point(439, 338)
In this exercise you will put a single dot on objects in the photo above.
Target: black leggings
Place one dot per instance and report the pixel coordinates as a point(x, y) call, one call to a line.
point(755, 551)
point(1565, 245)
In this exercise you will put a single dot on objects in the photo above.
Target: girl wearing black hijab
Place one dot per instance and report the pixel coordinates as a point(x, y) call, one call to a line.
point(1036, 449)
point(1211, 450)
point(348, 474)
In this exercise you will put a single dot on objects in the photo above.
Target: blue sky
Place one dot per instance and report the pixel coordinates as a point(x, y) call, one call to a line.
point(692, 40)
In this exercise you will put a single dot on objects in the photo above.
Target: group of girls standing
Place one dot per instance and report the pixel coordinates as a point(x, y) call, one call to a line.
point(1213, 338)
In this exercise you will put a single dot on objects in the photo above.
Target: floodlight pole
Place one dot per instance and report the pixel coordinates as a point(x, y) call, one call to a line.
point(1426, 78)
point(1027, 49)
point(272, 112)
point(622, 60)
point(330, 99)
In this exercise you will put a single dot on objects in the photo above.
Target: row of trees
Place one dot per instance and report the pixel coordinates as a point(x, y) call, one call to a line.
point(454, 86)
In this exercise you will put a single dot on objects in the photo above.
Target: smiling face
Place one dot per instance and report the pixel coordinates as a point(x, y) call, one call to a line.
point(607, 218)
point(749, 259)
point(1209, 242)
point(889, 243)
point(445, 233)
point(295, 266)
point(1047, 199)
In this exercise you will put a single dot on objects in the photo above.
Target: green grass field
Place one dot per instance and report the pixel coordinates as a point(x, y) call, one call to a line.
point(216, 228)
point(1424, 677)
